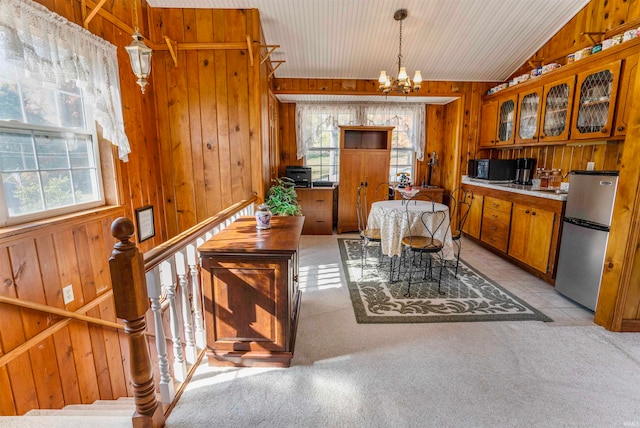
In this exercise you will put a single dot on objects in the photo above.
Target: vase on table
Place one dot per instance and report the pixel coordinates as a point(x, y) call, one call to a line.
point(263, 217)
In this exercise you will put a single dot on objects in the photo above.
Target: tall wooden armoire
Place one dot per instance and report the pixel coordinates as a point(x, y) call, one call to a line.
point(365, 153)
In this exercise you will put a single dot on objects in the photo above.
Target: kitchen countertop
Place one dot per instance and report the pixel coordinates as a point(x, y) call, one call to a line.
point(515, 188)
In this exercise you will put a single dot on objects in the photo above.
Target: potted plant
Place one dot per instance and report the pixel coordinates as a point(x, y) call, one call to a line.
point(282, 198)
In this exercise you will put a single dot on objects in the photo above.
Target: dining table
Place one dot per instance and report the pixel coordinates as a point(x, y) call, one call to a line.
point(397, 218)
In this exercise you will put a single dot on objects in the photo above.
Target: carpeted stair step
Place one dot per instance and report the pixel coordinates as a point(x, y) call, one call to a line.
point(80, 411)
point(65, 421)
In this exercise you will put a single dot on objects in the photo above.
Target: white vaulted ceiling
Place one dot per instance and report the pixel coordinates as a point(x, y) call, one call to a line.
point(464, 40)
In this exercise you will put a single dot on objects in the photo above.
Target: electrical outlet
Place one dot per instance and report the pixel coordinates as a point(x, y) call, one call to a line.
point(591, 166)
point(67, 294)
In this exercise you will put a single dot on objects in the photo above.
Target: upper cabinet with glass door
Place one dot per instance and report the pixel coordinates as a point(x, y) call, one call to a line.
point(506, 120)
point(529, 116)
point(596, 100)
point(556, 110)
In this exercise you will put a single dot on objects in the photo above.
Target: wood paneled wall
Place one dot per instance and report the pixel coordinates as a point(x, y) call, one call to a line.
point(209, 113)
point(451, 130)
point(196, 141)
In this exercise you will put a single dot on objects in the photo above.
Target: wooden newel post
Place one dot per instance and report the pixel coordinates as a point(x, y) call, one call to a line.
point(126, 265)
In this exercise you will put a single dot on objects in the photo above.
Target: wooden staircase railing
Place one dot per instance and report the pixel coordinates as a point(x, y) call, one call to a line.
point(169, 277)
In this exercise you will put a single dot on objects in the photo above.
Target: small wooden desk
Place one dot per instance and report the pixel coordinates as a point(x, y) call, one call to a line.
point(251, 296)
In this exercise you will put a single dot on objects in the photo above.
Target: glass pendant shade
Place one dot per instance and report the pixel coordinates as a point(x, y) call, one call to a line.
point(140, 56)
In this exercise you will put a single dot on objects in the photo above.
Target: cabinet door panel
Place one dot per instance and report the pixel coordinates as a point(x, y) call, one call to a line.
point(519, 235)
point(596, 92)
point(528, 124)
point(626, 95)
point(556, 110)
point(474, 220)
point(540, 242)
point(488, 126)
point(506, 120)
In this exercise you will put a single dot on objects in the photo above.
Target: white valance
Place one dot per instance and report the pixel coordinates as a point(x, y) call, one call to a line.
point(325, 117)
point(408, 118)
point(56, 50)
point(314, 118)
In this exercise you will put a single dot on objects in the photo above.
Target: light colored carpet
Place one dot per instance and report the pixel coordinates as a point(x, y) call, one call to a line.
point(494, 374)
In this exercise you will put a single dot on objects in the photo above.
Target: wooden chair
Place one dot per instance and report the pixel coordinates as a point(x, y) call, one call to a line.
point(425, 243)
point(459, 209)
point(382, 191)
point(367, 235)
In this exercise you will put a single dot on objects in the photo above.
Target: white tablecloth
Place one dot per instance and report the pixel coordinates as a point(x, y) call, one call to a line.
point(390, 218)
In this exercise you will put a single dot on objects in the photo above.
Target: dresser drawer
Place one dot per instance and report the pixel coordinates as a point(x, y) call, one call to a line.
point(495, 234)
point(317, 208)
point(497, 216)
point(497, 205)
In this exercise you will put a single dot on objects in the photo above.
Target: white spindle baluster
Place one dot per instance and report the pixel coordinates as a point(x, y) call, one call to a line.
point(194, 261)
point(154, 288)
point(168, 280)
point(191, 354)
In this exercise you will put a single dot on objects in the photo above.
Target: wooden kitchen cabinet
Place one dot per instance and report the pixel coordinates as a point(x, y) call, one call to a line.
point(506, 120)
point(317, 208)
point(496, 220)
point(625, 95)
point(251, 295)
point(530, 235)
point(498, 121)
point(474, 220)
point(557, 103)
point(528, 123)
point(489, 126)
point(365, 154)
point(596, 91)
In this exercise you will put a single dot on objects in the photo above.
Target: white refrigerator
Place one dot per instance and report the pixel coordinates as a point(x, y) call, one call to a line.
point(585, 233)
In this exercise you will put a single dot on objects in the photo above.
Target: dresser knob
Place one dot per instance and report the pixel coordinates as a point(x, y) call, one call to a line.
point(620, 128)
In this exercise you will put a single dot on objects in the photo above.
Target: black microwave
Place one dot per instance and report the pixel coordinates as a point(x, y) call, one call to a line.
point(495, 169)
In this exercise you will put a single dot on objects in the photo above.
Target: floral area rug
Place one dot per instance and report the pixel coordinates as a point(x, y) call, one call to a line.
point(469, 297)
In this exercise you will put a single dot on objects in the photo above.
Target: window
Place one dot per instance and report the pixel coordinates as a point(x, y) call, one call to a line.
point(402, 157)
point(318, 134)
point(57, 80)
point(319, 137)
point(48, 154)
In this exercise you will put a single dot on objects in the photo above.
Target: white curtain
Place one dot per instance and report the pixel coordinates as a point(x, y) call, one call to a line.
point(313, 119)
point(56, 50)
point(409, 118)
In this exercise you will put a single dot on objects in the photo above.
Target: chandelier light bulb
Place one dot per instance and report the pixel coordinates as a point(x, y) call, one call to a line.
point(417, 78)
point(383, 77)
point(402, 75)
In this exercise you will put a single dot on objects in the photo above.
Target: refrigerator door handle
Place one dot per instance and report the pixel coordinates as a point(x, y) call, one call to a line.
point(587, 224)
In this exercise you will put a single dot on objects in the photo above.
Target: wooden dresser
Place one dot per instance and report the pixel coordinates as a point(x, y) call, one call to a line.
point(251, 295)
point(317, 208)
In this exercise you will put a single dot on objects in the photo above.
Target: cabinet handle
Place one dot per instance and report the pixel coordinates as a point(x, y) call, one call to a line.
point(493, 228)
point(533, 213)
point(541, 137)
point(604, 130)
point(494, 216)
point(620, 128)
point(319, 200)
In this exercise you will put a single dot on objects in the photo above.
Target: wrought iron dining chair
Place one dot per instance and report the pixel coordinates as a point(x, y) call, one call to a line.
point(459, 209)
point(382, 191)
point(426, 242)
point(367, 235)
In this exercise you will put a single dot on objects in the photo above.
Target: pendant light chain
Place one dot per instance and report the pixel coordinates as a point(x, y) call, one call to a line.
point(135, 14)
point(400, 49)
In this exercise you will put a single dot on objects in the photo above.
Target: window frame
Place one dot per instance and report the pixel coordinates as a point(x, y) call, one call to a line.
point(55, 131)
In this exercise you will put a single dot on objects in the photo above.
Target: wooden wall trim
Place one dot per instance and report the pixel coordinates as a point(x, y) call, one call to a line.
point(24, 347)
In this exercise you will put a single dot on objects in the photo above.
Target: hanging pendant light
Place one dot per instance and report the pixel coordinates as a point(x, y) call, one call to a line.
point(402, 83)
point(139, 55)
